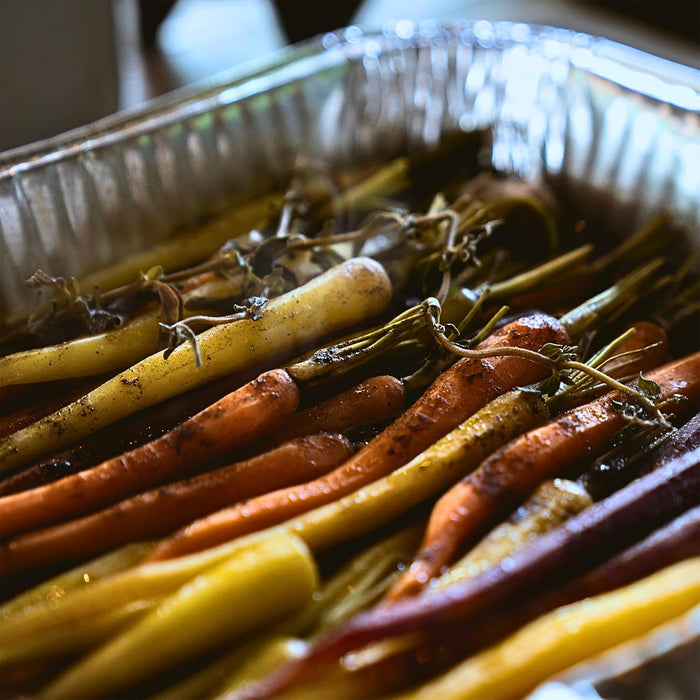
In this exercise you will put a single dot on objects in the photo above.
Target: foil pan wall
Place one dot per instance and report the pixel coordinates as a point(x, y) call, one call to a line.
point(618, 131)
point(601, 120)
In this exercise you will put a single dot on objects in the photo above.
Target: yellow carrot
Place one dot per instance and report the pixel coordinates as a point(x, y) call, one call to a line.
point(569, 635)
point(58, 642)
point(553, 502)
point(142, 582)
point(102, 352)
point(79, 577)
point(345, 295)
point(231, 599)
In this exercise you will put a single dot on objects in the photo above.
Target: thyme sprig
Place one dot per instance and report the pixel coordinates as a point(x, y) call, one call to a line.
point(182, 331)
point(404, 329)
point(89, 310)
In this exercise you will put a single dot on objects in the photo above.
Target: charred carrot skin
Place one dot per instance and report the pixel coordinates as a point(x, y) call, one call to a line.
point(257, 408)
point(157, 512)
point(456, 394)
point(508, 475)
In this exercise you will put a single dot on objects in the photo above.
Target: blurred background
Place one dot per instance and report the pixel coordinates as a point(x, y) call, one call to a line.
point(65, 63)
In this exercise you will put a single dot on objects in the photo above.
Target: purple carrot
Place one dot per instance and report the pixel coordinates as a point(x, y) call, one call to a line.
point(580, 544)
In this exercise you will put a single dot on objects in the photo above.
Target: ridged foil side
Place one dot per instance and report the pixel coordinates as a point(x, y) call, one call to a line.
point(617, 130)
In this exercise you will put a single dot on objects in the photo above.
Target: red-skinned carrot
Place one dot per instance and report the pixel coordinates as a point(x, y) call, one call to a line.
point(456, 394)
point(513, 471)
point(157, 512)
point(257, 408)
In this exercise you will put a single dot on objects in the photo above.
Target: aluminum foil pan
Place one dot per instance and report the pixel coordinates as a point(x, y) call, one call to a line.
point(615, 129)
point(600, 119)
point(659, 665)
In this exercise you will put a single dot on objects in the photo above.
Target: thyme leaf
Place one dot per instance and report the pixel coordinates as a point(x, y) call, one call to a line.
point(180, 333)
point(648, 387)
point(42, 279)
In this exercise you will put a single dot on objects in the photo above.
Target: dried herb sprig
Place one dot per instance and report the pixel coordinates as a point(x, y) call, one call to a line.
point(562, 360)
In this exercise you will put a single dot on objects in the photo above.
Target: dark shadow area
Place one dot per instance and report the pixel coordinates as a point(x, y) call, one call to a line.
point(302, 19)
point(677, 17)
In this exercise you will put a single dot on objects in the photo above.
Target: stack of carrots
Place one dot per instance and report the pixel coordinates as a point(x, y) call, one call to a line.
point(250, 470)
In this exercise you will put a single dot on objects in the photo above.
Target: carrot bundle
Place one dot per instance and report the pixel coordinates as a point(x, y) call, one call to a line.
point(158, 512)
point(510, 473)
point(457, 393)
point(257, 408)
point(371, 401)
point(345, 295)
point(579, 545)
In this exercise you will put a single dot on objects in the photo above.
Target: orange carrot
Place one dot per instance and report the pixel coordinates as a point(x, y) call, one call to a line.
point(158, 512)
point(16, 420)
point(373, 400)
point(20, 404)
point(456, 394)
point(649, 337)
point(253, 410)
point(121, 436)
point(510, 473)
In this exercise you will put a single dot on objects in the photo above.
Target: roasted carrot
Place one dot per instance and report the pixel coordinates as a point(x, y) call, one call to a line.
point(636, 455)
point(110, 351)
point(345, 295)
point(582, 543)
point(667, 546)
point(456, 394)
point(553, 502)
point(682, 440)
point(257, 408)
point(646, 348)
point(567, 636)
point(157, 512)
point(513, 471)
point(373, 400)
point(25, 415)
point(124, 435)
point(272, 577)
